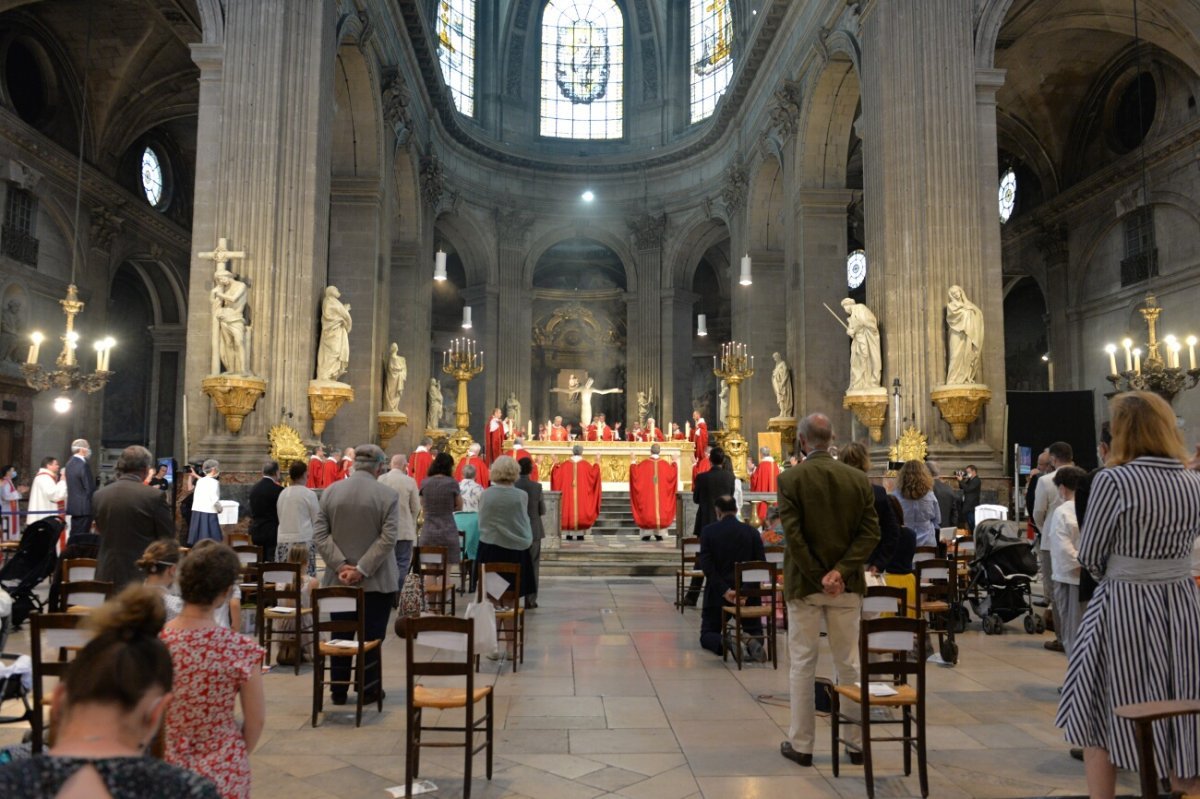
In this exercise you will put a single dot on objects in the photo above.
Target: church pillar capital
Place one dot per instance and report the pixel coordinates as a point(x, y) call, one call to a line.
point(210, 58)
point(829, 201)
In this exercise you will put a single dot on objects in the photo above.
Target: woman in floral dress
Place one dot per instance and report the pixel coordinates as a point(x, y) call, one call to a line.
point(213, 666)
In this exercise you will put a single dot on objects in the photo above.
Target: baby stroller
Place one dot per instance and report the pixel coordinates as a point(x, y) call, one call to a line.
point(34, 561)
point(1001, 575)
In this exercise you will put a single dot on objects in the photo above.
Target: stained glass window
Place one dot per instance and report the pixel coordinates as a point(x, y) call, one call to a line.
point(582, 69)
point(456, 51)
point(152, 177)
point(1008, 195)
point(711, 55)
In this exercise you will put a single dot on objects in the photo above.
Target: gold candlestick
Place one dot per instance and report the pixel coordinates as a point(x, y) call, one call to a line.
point(463, 363)
point(734, 365)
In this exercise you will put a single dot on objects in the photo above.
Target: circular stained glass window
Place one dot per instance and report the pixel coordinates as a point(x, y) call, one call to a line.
point(152, 177)
point(856, 269)
point(1008, 195)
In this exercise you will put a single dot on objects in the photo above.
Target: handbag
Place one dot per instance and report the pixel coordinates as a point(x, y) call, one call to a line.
point(411, 602)
point(483, 614)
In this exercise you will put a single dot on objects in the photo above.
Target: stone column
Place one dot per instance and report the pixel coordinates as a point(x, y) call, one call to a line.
point(987, 83)
point(263, 172)
point(643, 362)
point(411, 308)
point(925, 207)
point(819, 346)
point(1054, 244)
point(512, 367)
point(673, 395)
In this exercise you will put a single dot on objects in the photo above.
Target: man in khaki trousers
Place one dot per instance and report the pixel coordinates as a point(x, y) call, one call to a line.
point(829, 530)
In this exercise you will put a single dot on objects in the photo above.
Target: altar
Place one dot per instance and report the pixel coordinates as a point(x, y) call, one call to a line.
point(613, 457)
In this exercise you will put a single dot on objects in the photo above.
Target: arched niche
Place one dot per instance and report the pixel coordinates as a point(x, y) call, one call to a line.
point(1025, 340)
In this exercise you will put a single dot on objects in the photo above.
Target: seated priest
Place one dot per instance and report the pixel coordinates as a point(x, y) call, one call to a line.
point(518, 452)
point(473, 459)
point(651, 432)
point(652, 493)
point(599, 430)
point(557, 431)
point(765, 478)
point(723, 544)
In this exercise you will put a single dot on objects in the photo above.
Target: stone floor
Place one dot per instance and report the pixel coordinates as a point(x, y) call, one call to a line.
point(615, 699)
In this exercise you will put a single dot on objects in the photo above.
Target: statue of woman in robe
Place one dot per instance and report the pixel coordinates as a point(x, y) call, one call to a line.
point(782, 383)
point(396, 372)
point(333, 352)
point(965, 321)
point(433, 418)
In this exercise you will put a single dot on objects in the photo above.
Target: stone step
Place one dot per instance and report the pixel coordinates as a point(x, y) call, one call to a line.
point(589, 558)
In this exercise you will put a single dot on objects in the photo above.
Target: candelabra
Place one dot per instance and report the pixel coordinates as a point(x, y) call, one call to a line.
point(1162, 375)
point(463, 363)
point(68, 376)
point(733, 366)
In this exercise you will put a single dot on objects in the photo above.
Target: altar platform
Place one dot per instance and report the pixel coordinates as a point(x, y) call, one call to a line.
point(613, 457)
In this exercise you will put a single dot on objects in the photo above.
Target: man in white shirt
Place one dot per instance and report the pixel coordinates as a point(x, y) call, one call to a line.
point(297, 508)
point(410, 505)
point(1045, 500)
point(46, 492)
point(1063, 535)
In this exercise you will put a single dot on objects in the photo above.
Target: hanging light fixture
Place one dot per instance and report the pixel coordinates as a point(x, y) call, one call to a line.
point(466, 322)
point(702, 325)
point(439, 266)
point(1160, 372)
point(67, 375)
point(746, 280)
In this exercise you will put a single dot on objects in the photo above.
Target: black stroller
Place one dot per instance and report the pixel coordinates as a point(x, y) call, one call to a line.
point(34, 561)
point(1001, 575)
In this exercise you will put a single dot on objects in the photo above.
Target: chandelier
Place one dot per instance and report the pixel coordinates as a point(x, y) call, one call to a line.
point(1160, 372)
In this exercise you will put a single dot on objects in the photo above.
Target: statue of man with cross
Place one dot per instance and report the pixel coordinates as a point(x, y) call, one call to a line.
point(229, 313)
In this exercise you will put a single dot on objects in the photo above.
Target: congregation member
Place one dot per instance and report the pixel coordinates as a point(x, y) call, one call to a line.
point(409, 508)
point(505, 533)
point(579, 482)
point(10, 498)
point(470, 490)
point(518, 452)
point(228, 612)
point(948, 499)
point(914, 489)
point(494, 437)
point(723, 544)
point(1045, 501)
point(830, 529)
point(536, 508)
point(130, 515)
point(855, 455)
point(356, 536)
point(706, 487)
point(206, 505)
point(159, 478)
point(159, 566)
point(476, 460)
point(418, 463)
point(971, 487)
point(315, 473)
point(898, 570)
point(297, 508)
point(1143, 620)
point(215, 667)
point(652, 484)
point(1043, 466)
point(1063, 535)
point(264, 516)
point(440, 498)
point(764, 479)
point(107, 709)
point(81, 484)
point(47, 493)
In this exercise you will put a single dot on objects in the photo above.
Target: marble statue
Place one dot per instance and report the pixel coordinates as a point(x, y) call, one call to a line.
point(433, 417)
point(965, 321)
point(11, 323)
point(229, 320)
point(333, 351)
point(512, 410)
point(585, 393)
point(395, 373)
point(866, 364)
point(723, 404)
point(644, 400)
point(781, 381)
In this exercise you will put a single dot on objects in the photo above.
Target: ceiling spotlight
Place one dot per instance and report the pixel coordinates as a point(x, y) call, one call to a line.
point(439, 266)
point(587, 196)
point(466, 321)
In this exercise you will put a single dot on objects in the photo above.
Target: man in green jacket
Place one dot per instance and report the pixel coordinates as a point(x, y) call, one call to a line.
point(829, 530)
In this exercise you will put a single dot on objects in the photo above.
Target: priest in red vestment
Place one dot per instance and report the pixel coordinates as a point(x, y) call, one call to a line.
point(702, 465)
point(676, 433)
point(651, 432)
point(699, 433)
point(346, 465)
point(652, 486)
point(493, 437)
point(557, 431)
point(579, 482)
point(331, 472)
point(599, 430)
point(316, 469)
point(765, 478)
point(474, 459)
point(518, 451)
point(420, 460)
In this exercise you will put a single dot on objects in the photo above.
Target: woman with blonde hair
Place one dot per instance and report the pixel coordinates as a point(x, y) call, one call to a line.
point(914, 489)
point(1140, 635)
point(160, 565)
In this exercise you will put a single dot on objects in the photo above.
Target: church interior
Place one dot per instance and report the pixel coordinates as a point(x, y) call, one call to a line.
point(996, 201)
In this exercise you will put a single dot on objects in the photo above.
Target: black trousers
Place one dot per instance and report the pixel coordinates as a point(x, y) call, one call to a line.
point(710, 629)
point(81, 525)
point(377, 607)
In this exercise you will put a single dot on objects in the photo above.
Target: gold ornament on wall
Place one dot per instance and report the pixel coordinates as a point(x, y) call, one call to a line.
point(286, 447)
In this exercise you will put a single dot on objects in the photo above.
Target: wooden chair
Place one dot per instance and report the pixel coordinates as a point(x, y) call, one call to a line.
point(689, 551)
point(937, 591)
point(75, 569)
point(239, 539)
point(82, 595)
point(55, 638)
point(1143, 716)
point(885, 599)
point(774, 556)
point(284, 603)
point(924, 553)
point(249, 556)
point(894, 637)
point(456, 636)
point(467, 523)
point(510, 616)
point(432, 563)
point(752, 580)
point(343, 599)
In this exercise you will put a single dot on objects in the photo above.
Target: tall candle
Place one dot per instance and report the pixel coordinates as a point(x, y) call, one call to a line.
point(1137, 361)
point(1191, 342)
point(35, 347)
point(1112, 359)
point(1128, 345)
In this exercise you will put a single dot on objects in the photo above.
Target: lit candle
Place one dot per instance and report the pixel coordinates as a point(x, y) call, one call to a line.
point(1111, 349)
point(1137, 361)
point(714, 363)
point(1191, 342)
point(687, 430)
point(37, 339)
point(529, 429)
point(1128, 345)
point(1175, 354)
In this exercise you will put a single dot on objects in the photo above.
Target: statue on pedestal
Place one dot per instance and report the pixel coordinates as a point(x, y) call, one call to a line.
point(433, 417)
point(866, 364)
point(965, 321)
point(585, 393)
point(781, 381)
point(644, 400)
point(723, 405)
point(229, 321)
point(512, 410)
point(395, 373)
point(333, 351)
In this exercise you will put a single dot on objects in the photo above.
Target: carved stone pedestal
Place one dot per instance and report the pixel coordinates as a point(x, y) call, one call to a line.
point(460, 441)
point(325, 398)
point(234, 396)
point(960, 405)
point(786, 427)
point(390, 423)
point(869, 406)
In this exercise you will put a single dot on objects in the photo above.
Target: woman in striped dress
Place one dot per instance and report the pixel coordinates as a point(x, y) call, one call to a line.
point(1139, 640)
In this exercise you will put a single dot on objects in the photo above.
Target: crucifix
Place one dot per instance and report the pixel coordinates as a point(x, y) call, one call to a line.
point(228, 336)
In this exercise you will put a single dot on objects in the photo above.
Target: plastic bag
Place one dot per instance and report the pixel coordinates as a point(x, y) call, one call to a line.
point(483, 614)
